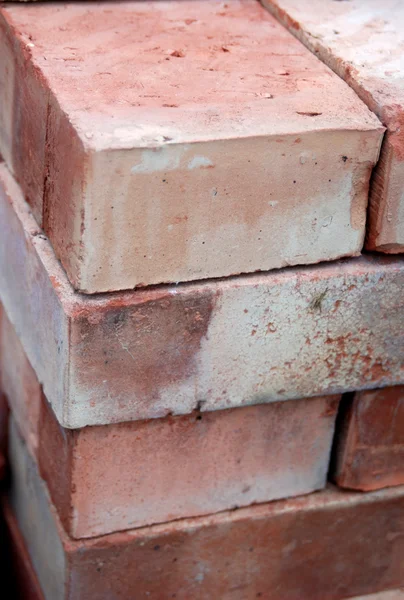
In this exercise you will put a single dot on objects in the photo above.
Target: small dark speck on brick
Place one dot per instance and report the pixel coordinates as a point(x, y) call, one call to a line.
point(178, 54)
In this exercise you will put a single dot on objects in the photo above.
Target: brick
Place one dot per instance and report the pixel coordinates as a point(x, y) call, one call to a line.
point(208, 345)
point(324, 546)
point(388, 595)
point(362, 42)
point(144, 179)
point(370, 449)
point(114, 477)
point(23, 579)
point(19, 383)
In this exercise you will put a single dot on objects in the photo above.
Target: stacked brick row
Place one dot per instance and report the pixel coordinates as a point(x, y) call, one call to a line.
point(191, 340)
point(363, 44)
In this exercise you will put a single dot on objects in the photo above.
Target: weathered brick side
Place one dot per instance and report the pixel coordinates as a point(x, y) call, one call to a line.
point(324, 546)
point(369, 453)
point(143, 177)
point(363, 43)
point(114, 477)
point(211, 345)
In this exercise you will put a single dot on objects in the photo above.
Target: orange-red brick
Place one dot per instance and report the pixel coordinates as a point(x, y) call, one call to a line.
point(370, 440)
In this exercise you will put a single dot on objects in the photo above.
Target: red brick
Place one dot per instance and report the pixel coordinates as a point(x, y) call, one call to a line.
point(211, 345)
point(362, 42)
point(22, 116)
point(325, 546)
point(114, 477)
point(145, 178)
point(370, 440)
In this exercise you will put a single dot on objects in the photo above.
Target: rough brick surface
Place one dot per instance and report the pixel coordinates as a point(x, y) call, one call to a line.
point(213, 345)
point(363, 42)
point(325, 546)
point(370, 436)
point(147, 179)
point(114, 477)
point(19, 382)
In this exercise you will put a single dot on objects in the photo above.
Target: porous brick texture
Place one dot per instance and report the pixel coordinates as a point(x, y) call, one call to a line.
point(369, 451)
point(216, 152)
point(211, 345)
point(115, 477)
point(363, 42)
point(325, 546)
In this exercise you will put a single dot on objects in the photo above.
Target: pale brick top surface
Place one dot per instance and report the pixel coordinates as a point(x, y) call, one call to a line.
point(135, 74)
point(179, 141)
point(364, 37)
point(364, 43)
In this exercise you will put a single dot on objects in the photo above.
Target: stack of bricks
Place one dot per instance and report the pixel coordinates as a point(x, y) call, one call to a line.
point(202, 367)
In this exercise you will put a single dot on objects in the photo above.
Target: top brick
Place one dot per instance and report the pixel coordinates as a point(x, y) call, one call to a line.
point(173, 141)
point(364, 42)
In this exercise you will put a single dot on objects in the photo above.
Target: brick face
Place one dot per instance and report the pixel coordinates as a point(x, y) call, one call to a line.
point(370, 440)
point(160, 181)
point(325, 546)
point(148, 353)
point(362, 43)
point(114, 477)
